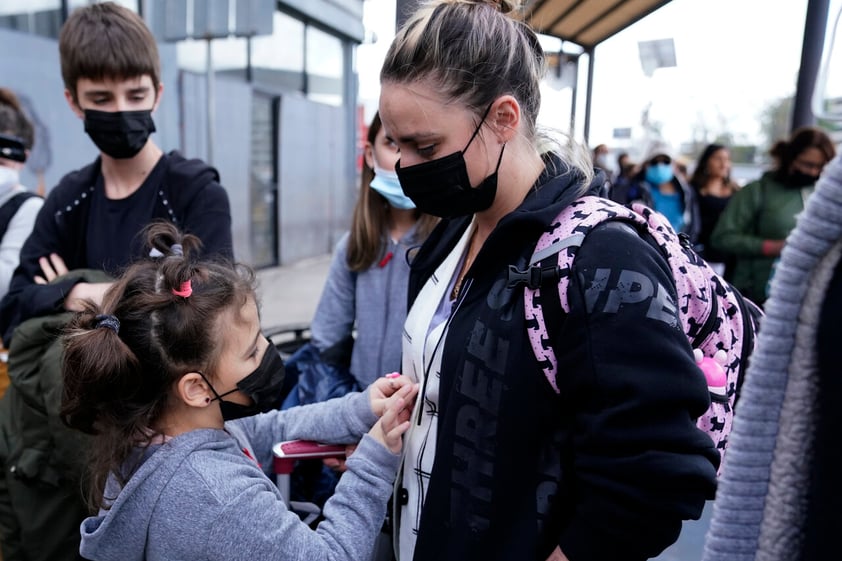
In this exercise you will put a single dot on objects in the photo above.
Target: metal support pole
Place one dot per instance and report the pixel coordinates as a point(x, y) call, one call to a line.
point(211, 102)
point(589, 95)
point(811, 56)
point(574, 93)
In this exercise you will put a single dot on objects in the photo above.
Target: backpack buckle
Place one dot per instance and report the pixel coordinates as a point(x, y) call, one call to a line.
point(533, 277)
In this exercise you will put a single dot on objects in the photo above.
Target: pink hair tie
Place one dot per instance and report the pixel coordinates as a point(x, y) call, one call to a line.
point(185, 290)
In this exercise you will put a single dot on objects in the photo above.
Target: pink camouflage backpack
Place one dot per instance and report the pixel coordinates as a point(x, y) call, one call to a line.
point(719, 322)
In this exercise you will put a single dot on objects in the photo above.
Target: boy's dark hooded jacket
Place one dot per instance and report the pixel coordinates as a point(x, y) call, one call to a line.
point(189, 195)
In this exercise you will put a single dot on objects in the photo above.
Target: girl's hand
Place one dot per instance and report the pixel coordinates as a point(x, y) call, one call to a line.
point(382, 388)
point(396, 418)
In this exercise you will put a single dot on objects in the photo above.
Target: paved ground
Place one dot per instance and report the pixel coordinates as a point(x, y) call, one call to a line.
point(289, 294)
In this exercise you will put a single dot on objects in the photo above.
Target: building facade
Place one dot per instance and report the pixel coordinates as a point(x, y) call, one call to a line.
point(278, 118)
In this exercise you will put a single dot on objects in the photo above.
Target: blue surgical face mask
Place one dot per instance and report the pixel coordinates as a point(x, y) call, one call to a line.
point(386, 183)
point(659, 173)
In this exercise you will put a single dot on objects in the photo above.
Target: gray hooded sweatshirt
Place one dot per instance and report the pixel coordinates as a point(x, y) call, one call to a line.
point(201, 495)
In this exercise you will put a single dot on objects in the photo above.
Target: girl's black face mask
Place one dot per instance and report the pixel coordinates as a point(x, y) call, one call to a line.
point(441, 187)
point(263, 386)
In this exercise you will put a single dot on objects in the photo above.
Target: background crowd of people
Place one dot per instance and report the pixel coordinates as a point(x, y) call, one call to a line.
point(738, 230)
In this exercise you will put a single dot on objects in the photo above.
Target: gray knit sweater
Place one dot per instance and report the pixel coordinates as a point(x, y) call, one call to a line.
point(201, 496)
point(759, 508)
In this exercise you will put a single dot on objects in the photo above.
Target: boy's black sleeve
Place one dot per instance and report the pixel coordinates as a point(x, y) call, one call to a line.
point(208, 216)
point(640, 464)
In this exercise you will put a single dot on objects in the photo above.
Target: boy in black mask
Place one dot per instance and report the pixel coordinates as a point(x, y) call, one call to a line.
point(85, 233)
point(111, 70)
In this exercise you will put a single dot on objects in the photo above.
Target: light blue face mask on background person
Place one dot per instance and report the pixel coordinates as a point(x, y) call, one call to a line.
point(386, 183)
point(659, 173)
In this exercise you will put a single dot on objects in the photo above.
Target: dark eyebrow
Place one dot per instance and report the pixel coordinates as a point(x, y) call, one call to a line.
point(414, 138)
point(109, 93)
point(98, 93)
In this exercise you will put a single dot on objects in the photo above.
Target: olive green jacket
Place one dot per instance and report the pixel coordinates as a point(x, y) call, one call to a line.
point(41, 499)
point(762, 210)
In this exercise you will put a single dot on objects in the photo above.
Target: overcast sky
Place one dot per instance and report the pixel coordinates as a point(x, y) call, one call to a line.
point(734, 58)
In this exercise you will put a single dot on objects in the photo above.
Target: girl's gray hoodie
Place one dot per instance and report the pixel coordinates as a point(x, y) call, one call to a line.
point(201, 495)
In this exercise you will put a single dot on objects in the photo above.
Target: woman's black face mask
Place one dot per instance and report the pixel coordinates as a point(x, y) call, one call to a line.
point(263, 386)
point(441, 187)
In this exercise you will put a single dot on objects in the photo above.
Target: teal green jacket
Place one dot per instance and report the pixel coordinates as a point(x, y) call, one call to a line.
point(762, 210)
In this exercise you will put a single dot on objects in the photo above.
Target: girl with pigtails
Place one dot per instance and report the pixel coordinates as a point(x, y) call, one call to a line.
point(180, 389)
point(498, 465)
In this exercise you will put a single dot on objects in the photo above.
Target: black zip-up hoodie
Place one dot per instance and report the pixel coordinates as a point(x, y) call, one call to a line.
point(606, 470)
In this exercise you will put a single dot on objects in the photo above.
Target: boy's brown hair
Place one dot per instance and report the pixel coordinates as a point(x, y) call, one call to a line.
point(106, 41)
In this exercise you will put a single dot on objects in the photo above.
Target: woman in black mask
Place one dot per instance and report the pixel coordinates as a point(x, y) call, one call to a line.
point(170, 374)
point(758, 218)
point(498, 465)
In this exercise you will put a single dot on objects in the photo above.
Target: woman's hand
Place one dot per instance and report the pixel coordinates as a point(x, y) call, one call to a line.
point(382, 388)
point(395, 420)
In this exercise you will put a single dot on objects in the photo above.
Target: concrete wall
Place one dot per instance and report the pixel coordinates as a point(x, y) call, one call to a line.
point(231, 143)
point(315, 193)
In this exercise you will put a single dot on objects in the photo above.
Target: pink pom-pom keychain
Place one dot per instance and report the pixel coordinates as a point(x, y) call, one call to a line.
point(714, 371)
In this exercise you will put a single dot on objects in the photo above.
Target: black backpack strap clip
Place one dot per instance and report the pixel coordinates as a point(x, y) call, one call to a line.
point(543, 266)
point(533, 276)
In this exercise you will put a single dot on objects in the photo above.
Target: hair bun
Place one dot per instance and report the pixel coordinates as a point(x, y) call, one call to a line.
point(504, 6)
point(508, 6)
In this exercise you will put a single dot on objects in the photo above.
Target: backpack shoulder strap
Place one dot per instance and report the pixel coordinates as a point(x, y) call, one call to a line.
point(10, 208)
point(548, 276)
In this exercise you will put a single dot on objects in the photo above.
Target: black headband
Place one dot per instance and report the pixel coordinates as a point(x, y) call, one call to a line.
point(12, 148)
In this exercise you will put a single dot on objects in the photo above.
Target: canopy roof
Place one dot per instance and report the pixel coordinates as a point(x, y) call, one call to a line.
point(586, 22)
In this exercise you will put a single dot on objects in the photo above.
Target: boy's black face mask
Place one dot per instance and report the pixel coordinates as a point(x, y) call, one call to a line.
point(119, 134)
